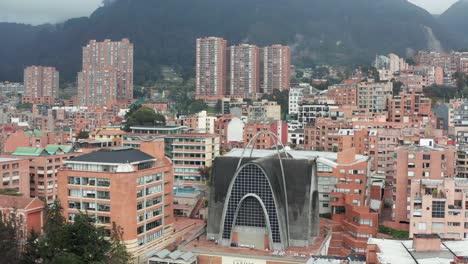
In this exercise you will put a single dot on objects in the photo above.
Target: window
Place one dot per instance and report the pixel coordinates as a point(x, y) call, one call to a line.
point(103, 195)
point(426, 157)
point(323, 168)
point(325, 205)
point(74, 193)
point(410, 173)
point(153, 189)
point(153, 224)
point(104, 207)
point(421, 226)
point(410, 156)
point(365, 222)
point(103, 182)
point(411, 165)
point(103, 219)
point(438, 209)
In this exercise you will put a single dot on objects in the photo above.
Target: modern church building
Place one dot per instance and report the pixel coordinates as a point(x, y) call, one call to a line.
point(263, 199)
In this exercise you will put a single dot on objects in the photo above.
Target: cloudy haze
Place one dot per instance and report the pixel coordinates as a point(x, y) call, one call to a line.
point(434, 6)
point(52, 11)
point(45, 11)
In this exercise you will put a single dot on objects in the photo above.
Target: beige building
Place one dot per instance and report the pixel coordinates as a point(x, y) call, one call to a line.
point(374, 96)
point(264, 110)
point(190, 152)
point(439, 207)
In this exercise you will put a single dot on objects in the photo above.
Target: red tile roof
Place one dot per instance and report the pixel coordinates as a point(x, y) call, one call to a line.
point(17, 202)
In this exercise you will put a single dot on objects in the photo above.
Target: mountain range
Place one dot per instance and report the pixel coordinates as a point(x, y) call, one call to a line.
point(337, 32)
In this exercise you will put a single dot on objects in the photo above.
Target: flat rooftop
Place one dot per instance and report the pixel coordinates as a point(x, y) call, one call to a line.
point(398, 251)
point(114, 156)
point(295, 254)
point(3, 159)
point(297, 154)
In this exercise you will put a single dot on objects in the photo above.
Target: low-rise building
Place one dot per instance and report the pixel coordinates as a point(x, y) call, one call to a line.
point(29, 212)
point(439, 207)
point(190, 153)
point(44, 165)
point(422, 249)
point(15, 175)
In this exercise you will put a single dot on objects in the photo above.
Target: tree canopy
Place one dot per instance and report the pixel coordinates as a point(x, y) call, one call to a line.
point(74, 242)
point(143, 116)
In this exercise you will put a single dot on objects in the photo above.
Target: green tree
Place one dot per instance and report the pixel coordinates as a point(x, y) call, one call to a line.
point(31, 249)
point(82, 135)
point(205, 173)
point(219, 106)
point(196, 106)
point(9, 244)
point(397, 85)
point(143, 116)
point(280, 97)
point(82, 238)
point(118, 252)
point(51, 242)
point(10, 191)
point(24, 106)
point(69, 258)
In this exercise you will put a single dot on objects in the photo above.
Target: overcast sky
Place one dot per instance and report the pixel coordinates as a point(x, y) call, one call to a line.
point(51, 11)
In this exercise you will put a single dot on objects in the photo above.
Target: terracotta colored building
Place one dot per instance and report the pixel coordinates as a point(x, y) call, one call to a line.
point(29, 138)
point(30, 212)
point(125, 186)
point(211, 66)
point(41, 85)
point(424, 161)
point(265, 140)
point(323, 135)
point(113, 134)
point(374, 96)
point(245, 71)
point(276, 68)
point(44, 167)
point(350, 203)
point(230, 130)
point(15, 174)
point(343, 94)
point(439, 207)
point(107, 73)
point(412, 107)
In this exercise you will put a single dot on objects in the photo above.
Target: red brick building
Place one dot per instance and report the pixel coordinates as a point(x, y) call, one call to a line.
point(41, 85)
point(211, 68)
point(266, 140)
point(28, 138)
point(410, 107)
point(276, 68)
point(107, 73)
point(15, 174)
point(343, 94)
point(30, 212)
point(125, 186)
point(44, 166)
